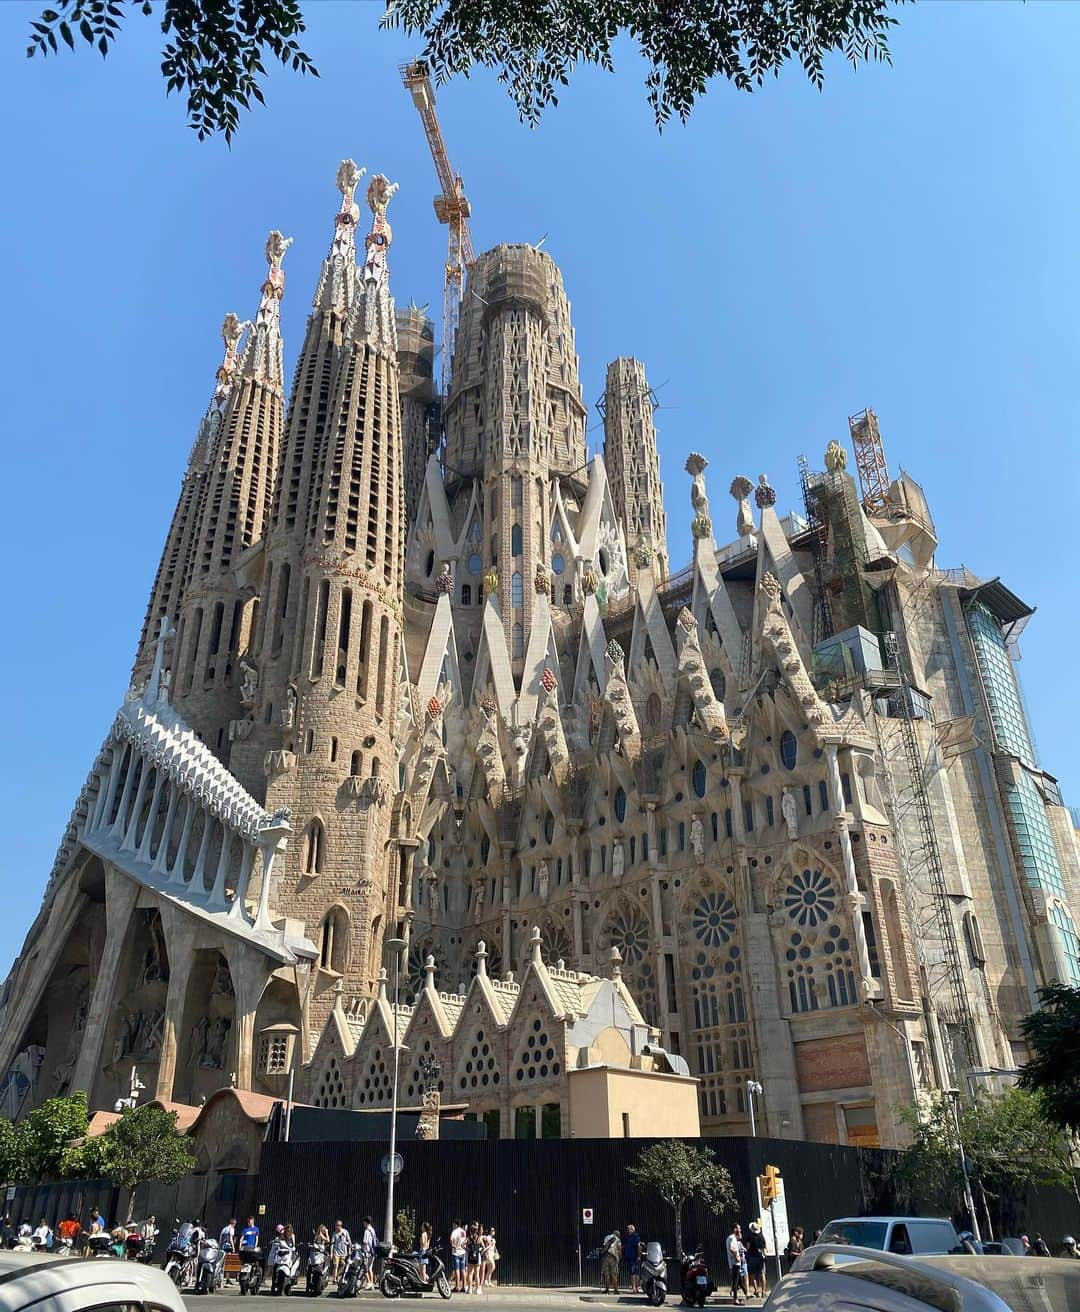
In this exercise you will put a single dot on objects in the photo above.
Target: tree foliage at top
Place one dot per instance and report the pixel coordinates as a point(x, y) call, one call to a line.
point(680, 1171)
point(215, 49)
point(42, 1137)
point(1009, 1144)
point(1054, 1035)
point(143, 1145)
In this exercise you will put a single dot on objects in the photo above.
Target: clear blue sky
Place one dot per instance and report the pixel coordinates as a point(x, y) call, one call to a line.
point(906, 240)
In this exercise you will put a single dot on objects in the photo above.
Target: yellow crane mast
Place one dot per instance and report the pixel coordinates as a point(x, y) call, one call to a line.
point(451, 208)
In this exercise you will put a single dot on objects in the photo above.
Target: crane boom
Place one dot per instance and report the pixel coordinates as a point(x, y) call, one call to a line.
point(451, 207)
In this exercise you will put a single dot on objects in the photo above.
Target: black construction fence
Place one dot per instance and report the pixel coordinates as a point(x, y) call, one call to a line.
point(533, 1191)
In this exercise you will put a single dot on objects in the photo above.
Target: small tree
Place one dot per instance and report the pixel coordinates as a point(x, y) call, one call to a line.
point(144, 1145)
point(678, 1171)
point(45, 1134)
point(11, 1152)
point(1009, 1143)
point(405, 1230)
point(1054, 1035)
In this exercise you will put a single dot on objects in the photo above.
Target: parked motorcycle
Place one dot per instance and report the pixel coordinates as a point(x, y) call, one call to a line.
point(251, 1270)
point(697, 1283)
point(318, 1269)
point(353, 1274)
point(181, 1255)
point(100, 1244)
point(283, 1266)
point(654, 1275)
point(403, 1274)
point(24, 1240)
point(210, 1268)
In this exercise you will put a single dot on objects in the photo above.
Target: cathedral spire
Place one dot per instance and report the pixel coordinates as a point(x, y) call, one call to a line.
point(262, 358)
point(338, 278)
point(373, 311)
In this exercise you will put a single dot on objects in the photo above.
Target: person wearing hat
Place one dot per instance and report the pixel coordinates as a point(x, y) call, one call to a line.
point(1068, 1247)
point(756, 1248)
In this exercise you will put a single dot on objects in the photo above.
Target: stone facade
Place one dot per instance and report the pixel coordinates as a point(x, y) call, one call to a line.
point(792, 783)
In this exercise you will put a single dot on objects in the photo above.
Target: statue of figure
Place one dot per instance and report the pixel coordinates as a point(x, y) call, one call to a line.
point(380, 190)
point(697, 838)
point(479, 897)
point(790, 811)
point(740, 489)
point(288, 711)
point(213, 1058)
point(618, 860)
point(543, 881)
point(249, 686)
point(200, 1037)
point(276, 246)
point(432, 881)
point(835, 458)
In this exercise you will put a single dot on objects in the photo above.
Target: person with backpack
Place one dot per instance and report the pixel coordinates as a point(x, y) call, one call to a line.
point(610, 1256)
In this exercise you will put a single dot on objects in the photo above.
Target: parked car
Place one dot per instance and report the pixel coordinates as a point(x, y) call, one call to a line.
point(837, 1276)
point(74, 1284)
point(1003, 1247)
point(906, 1235)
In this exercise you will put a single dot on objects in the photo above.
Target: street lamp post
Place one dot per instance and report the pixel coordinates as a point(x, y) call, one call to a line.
point(953, 1096)
point(752, 1088)
point(395, 946)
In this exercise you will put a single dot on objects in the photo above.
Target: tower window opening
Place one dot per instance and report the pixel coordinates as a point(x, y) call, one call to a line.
point(823, 794)
point(789, 749)
point(356, 764)
point(282, 610)
point(319, 641)
point(344, 628)
point(516, 540)
point(314, 852)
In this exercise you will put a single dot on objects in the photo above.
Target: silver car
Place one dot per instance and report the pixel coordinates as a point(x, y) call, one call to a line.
point(74, 1284)
point(848, 1279)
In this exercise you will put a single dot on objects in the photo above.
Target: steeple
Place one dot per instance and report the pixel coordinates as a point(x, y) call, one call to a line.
point(174, 568)
point(216, 611)
point(633, 466)
point(338, 277)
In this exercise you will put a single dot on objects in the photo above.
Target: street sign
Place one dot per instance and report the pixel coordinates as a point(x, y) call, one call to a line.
point(384, 1165)
point(586, 1216)
point(774, 1219)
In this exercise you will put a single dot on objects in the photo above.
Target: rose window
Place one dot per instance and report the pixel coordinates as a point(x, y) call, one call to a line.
point(810, 898)
point(713, 919)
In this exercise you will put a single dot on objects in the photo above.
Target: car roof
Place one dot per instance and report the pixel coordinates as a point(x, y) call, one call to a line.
point(847, 1220)
point(27, 1277)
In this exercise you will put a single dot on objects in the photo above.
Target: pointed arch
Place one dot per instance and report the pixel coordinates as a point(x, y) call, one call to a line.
point(313, 854)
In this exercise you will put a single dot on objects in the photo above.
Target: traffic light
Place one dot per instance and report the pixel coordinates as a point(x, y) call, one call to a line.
point(769, 1183)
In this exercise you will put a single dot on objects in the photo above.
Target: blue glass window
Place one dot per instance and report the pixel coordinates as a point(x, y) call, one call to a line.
point(789, 749)
point(620, 804)
point(475, 563)
point(698, 778)
point(515, 540)
point(558, 563)
point(515, 589)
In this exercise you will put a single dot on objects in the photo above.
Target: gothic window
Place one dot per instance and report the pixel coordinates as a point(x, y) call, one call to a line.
point(476, 1066)
point(663, 840)
point(558, 563)
point(549, 827)
point(466, 594)
point(823, 794)
point(698, 778)
point(682, 836)
point(476, 565)
point(653, 710)
point(810, 899)
point(720, 1047)
point(820, 968)
point(334, 941)
point(485, 849)
point(769, 813)
point(748, 816)
point(839, 969)
point(845, 787)
point(568, 595)
point(628, 929)
point(713, 919)
point(475, 534)
point(314, 852)
point(716, 678)
point(519, 643)
point(808, 801)
point(515, 540)
point(620, 804)
point(871, 944)
point(789, 749)
point(516, 589)
point(729, 828)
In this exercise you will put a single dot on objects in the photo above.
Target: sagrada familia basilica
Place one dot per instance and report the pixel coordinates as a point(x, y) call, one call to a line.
point(415, 667)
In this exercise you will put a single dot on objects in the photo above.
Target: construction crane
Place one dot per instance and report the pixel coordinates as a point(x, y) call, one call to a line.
point(451, 208)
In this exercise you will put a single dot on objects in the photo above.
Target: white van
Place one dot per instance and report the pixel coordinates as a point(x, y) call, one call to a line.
point(893, 1234)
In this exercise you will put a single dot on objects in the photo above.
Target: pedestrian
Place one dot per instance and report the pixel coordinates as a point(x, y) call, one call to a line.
point(492, 1257)
point(631, 1247)
point(7, 1232)
point(227, 1237)
point(340, 1243)
point(424, 1245)
point(368, 1240)
point(794, 1245)
point(736, 1256)
point(1038, 1247)
point(68, 1229)
point(472, 1257)
point(249, 1236)
point(610, 1253)
point(1026, 1243)
point(43, 1235)
point(457, 1257)
point(322, 1237)
point(97, 1222)
point(756, 1250)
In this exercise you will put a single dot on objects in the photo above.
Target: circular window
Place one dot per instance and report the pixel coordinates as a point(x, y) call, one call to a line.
point(810, 898)
point(699, 779)
point(620, 804)
point(789, 749)
point(713, 919)
point(475, 563)
point(558, 563)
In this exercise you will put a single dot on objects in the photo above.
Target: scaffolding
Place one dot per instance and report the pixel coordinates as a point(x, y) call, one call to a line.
point(823, 620)
point(870, 461)
point(933, 917)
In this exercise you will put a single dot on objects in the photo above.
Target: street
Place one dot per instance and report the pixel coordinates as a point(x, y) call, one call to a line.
point(516, 1297)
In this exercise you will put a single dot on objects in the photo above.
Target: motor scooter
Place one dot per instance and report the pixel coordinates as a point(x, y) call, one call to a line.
point(697, 1283)
point(403, 1274)
point(653, 1272)
point(283, 1266)
point(181, 1255)
point(210, 1267)
point(353, 1274)
point(318, 1268)
point(251, 1270)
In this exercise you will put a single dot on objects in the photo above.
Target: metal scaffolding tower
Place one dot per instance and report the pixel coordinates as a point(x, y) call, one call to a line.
point(870, 461)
